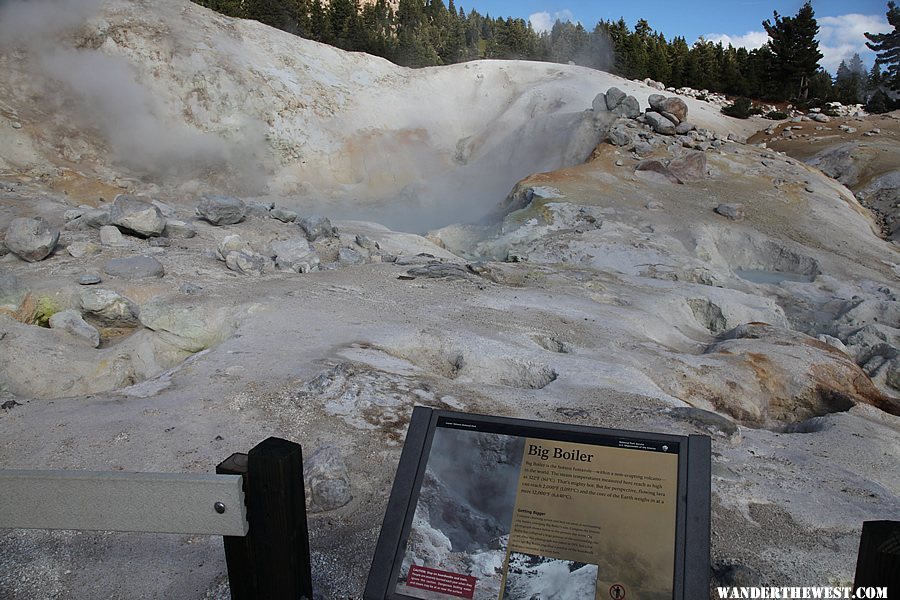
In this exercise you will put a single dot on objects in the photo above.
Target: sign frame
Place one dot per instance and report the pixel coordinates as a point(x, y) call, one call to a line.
point(692, 530)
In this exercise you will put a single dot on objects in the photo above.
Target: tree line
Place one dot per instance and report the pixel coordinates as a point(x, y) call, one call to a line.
point(421, 33)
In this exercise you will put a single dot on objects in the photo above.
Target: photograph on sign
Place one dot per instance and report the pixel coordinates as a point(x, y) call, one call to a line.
point(521, 513)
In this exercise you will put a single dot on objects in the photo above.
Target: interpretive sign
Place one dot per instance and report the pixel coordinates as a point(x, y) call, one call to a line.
point(507, 509)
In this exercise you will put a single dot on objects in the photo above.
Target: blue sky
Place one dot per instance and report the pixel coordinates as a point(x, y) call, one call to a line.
point(841, 23)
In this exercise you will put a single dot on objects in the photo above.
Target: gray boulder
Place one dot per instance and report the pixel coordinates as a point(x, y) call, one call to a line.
point(629, 108)
point(222, 210)
point(296, 255)
point(655, 101)
point(189, 327)
point(327, 480)
point(660, 124)
point(733, 211)
point(31, 239)
point(684, 128)
point(671, 117)
point(110, 236)
point(618, 136)
point(614, 97)
point(599, 103)
point(676, 106)
point(248, 263)
point(178, 230)
point(690, 167)
point(258, 209)
point(136, 216)
point(349, 256)
point(654, 170)
point(71, 322)
point(108, 308)
point(93, 218)
point(82, 249)
point(134, 267)
point(283, 215)
point(229, 244)
point(316, 227)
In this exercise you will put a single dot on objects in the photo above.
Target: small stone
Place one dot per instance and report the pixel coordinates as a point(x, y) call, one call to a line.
point(283, 215)
point(159, 242)
point(82, 249)
point(71, 322)
point(619, 163)
point(655, 205)
point(733, 211)
point(108, 308)
point(248, 263)
point(366, 243)
point(16, 125)
point(820, 118)
point(349, 256)
point(135, 267)
point(296, 255)
point(684, 127)
point(89, 279)
point(316, 227)
point(619, 137)
point(258, 209)
point(643, 148)
point(231, 243)
point(178, 230)
point(809, 189)
point(111, 236)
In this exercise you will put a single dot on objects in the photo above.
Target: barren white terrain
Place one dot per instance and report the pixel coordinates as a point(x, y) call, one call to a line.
point(494, 251)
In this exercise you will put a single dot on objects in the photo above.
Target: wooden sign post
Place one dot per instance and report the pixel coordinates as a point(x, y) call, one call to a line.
point(272, 561)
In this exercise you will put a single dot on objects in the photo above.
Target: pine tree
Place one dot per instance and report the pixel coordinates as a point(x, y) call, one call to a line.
point(887, 46)
point(793, 42)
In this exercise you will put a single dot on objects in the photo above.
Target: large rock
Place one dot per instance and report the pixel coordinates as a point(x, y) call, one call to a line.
point(296, 255)
point(189, 327)
point(93, 218)
point(731, 210)
point(690, 167)
point(248, 263)
point(71, 322)
point(178, 230)
point(108, 308)
point(599, 103)
point(619, 136)
point(654, 170)
point(629, 108)
point(136, 216)
point(327, 480)
point(316, 227)
point(222, 210)
point(31, 239)
point(676, 106)
point(660, 124)
point(614, 97)
point(791, 377)
point(111, 237)
point(229, 244)
point(655, 101)
point(134, 267)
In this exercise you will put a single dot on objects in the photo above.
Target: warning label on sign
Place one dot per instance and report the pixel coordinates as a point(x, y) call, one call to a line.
point(434, 580)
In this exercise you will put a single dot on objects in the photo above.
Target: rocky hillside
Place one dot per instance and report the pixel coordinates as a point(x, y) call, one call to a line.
point(214, 232)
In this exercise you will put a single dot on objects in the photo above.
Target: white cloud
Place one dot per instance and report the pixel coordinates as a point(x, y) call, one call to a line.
point(842, 36)
point(543, 21)
point(750, 40)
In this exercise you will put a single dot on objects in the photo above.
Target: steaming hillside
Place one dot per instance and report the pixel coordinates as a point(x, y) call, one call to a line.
point(128, 91)
point(633, 273)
